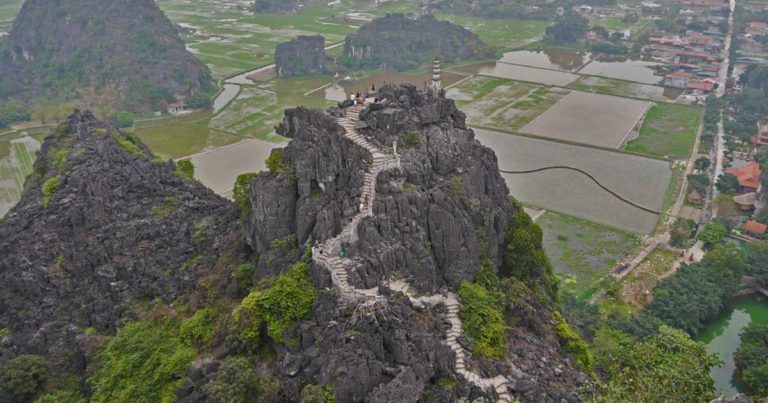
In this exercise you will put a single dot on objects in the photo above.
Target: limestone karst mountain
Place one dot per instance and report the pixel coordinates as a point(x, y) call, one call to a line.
point(401, 43)
point(123, 55)
point(417, 239)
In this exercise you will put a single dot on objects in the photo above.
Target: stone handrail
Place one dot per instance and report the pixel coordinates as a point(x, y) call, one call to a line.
point(335, 262)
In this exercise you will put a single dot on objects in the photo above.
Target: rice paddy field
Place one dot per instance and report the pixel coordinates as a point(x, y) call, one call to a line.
point(17, 156)
point(627, 89)
point(587, 118)
point(521, 73)
point(644, 181)
point(229, 38)
point(669, 130)
point(218, 169)
point(9, 9)
point(583, 252)
point(503, 104)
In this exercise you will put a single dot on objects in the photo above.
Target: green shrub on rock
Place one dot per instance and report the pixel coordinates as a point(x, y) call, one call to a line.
point(482, 315)
point(277, 308)
point(49, 188)
point(144, 362)
point(21, 378)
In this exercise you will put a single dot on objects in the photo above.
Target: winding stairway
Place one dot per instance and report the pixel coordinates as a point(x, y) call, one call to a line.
point(336, 263)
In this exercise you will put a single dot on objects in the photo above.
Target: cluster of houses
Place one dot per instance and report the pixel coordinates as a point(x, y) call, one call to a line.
point(694, 58)
point(747, 197)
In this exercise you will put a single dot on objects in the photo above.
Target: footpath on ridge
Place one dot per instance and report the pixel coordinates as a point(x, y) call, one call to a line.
point(333, 259)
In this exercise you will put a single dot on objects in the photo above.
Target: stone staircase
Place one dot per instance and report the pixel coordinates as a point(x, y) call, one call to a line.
point(332, 260)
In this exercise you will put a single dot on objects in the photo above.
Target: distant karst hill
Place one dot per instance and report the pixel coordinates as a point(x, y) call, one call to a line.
point(120, 55)
point(401, 43)
point(304, 55)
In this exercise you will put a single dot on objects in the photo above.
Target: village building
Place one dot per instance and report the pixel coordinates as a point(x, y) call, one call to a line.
point(755, 228)
point(746, 202)
point(762, 135)
point(678, 79)
point(749, 177)
point(177, 108)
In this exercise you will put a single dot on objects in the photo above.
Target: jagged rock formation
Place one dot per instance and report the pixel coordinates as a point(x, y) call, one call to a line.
point(104, 230)
point(304, 55)
point(125, 54)
point(401, 43)
point(433, 220)
point(102, 226)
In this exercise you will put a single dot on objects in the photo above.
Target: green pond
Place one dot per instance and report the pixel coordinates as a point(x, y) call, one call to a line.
point(722, 337)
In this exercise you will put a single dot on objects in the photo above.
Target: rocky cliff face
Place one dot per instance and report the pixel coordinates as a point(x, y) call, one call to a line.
point(104, 231)
point(100, 228)
point(401, 43)
point(436, 219)
point(126, 54)
point(304, 55)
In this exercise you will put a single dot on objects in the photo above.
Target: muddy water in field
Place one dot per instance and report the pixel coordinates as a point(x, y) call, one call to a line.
point(643, 180)
point(521, 73)
point(218, 169)
point(555, 59)
point(623, 69)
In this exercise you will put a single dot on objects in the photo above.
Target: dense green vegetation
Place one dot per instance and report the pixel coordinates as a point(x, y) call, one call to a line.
point(22, 378)
point(483, 319)
point(525, 258)
point(49, 188)
point(143, 362)
point(757, 259)
point(242, 192)
point(752, 358)
point(574, 343)
point(12, 112)
point(279, 307)
point(664, 366)
point(238, 381)
point(570, 27)
point(693, 297)
point(186, 169)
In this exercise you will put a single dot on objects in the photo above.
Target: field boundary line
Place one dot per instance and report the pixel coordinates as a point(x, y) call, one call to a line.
point(566, 142)
point(588, 175)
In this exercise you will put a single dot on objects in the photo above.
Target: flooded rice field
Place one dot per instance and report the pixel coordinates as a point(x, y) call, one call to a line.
point(553, 59)
point(17, 155)
point(594, 119)
point(626, 89)
point(218, 169)
point(642, 180)
point(623, 69)
point(521, 73)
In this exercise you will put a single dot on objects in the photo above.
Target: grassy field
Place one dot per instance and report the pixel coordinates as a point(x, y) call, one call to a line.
point(669, 130)
point(9, 9)
point(583, 252)
point(502, 34)
point(253, 114)
point(622, 88)
point(230, 38)
point(16, 160)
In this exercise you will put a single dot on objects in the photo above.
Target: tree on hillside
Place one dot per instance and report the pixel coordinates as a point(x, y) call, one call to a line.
point(570, 27)
point(600, 31)
point(665, 367)
point(757, 260)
